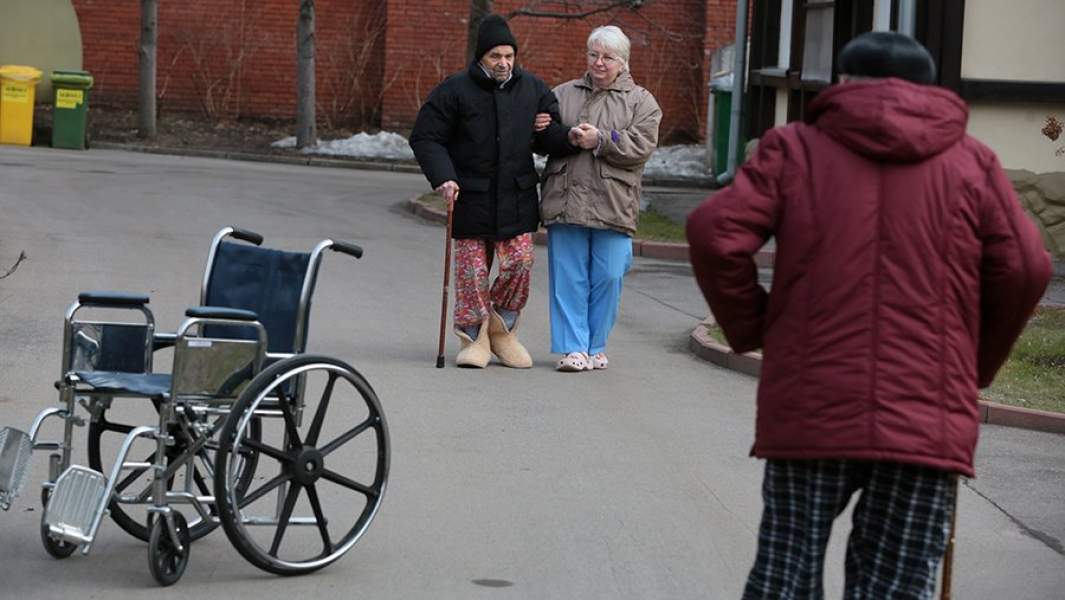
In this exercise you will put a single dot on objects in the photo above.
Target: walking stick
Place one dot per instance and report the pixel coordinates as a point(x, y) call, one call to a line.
point(948, 556)
point(447, 284)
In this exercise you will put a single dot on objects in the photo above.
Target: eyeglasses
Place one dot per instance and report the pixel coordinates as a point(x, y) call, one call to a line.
point(593, 57)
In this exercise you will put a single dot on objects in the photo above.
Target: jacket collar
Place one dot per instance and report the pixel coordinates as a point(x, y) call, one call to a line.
point(623, 83)
point(484, 80)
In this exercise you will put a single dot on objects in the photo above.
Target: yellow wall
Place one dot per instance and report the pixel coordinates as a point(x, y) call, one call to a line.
point(1013, 131)
point(40, 33)
point(1015, 40)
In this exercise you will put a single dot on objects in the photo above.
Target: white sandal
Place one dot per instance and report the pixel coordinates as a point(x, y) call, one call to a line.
point(599, 361)
point(575, 362)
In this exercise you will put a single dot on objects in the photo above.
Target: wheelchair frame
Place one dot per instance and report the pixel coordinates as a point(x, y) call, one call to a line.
point(217, 383)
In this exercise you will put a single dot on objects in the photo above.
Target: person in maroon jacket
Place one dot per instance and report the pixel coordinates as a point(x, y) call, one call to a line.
point(905, 270)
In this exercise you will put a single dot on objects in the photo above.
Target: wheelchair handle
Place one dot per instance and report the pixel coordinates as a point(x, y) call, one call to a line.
point(347, 248)
point(246, 235)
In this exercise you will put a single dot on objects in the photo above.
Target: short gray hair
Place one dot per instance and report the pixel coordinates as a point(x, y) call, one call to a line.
point(612, 38)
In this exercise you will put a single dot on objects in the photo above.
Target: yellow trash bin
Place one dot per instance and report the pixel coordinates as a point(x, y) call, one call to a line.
point(17, 86)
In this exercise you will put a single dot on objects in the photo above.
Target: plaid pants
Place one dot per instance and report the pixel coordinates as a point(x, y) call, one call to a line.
point(900, 528)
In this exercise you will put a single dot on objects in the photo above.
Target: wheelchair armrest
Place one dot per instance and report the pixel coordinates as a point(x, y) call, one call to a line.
point(112, 299)
point(218, 312)
point(346, 248)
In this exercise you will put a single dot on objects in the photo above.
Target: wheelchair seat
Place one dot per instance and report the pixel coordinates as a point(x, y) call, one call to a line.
point(151, 385)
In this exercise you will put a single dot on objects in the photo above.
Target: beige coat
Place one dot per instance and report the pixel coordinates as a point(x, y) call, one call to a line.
point(601, 189)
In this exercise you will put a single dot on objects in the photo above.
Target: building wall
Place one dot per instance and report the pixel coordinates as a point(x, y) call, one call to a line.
point(237, 58)
point(1013, 130)
point(671, 44)
point(1022, 40)
point(377, 60)
point(46, 38)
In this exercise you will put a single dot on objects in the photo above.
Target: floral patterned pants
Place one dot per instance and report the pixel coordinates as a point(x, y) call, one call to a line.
point(510, 291)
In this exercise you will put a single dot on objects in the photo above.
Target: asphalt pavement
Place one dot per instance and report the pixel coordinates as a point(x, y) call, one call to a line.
point(632, 482)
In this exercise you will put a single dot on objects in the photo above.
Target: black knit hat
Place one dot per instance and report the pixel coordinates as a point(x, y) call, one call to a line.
point(493, 31)
point(887, 54)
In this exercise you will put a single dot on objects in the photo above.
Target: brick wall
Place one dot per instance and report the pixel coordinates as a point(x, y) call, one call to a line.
point(377, 60)
point(237, 58)
point(669, 52)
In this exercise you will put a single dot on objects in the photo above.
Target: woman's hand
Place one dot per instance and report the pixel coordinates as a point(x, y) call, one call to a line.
point(584, 135)
point(542, 121)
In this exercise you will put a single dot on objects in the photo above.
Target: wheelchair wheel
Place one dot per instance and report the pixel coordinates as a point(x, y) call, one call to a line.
point(166, 563)
point(133, 518)
point(326, 419)
point(56, 548)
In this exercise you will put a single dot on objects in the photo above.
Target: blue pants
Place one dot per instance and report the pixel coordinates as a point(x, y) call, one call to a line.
point(585, 268)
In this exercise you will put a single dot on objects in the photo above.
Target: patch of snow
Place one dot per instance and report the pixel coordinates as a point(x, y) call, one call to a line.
point(384, 144)
point(678, 161)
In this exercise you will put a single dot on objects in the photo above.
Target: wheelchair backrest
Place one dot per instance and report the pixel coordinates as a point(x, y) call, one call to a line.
point(267, 281)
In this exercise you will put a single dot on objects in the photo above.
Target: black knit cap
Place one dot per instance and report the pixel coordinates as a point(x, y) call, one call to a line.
point(494, 31)
point(887, 54)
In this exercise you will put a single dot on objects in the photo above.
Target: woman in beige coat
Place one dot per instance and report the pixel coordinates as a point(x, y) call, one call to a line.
point(590, 200)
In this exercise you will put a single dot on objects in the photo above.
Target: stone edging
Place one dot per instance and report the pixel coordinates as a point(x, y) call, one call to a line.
point(646, 248)
point(707, 348)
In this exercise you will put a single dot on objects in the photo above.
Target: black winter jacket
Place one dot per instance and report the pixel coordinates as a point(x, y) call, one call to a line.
point(480, 135)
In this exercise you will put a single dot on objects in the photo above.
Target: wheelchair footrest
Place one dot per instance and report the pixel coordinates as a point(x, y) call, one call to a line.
point(15, 450)
point(73, 506)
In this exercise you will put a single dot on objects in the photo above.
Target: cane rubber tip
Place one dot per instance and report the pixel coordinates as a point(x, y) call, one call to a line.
point(439, 362)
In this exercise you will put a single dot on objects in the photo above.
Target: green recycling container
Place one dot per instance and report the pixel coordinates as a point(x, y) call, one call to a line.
point(722, 123)
point(70, 118)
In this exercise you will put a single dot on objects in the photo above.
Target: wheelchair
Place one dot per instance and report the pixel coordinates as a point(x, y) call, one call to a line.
point(287, 451)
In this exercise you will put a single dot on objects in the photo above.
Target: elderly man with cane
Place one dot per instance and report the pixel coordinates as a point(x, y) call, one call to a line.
point(473, 139)
point(906, 269)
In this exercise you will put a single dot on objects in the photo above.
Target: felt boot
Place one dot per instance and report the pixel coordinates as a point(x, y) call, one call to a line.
point(474, 353)
point(505, 344)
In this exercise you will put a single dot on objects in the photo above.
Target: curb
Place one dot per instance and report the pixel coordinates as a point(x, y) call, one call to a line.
point(992, 413)
point(674, 251)
point(307, 161)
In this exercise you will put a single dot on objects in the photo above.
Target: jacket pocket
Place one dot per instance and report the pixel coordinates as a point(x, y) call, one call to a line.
point(474, 184)
point(629, 178)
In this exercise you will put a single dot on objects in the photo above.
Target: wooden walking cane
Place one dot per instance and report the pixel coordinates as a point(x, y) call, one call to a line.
point(447, 283)
point(948, 556)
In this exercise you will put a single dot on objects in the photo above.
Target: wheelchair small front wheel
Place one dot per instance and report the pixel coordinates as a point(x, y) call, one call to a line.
point(165, 561)
point(57, 548)
point(323, 459)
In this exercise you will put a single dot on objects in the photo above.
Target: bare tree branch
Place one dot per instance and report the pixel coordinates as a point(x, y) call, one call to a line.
point(547, 14)
point(21, 257)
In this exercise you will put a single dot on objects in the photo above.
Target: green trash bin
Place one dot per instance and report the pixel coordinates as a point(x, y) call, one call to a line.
point(721, 88)
point(722, 123)
point(70, 117)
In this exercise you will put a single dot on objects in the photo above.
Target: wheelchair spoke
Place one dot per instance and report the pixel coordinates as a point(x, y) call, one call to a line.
point(270, 451)
point(282, 521)
point(347, 437)
point(319, 415)
point(265, 489)
point(339, 479)
point(294, 439)
point(323, 526)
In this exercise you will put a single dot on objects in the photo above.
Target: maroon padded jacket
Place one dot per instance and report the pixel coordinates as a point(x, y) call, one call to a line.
point(905, 270)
